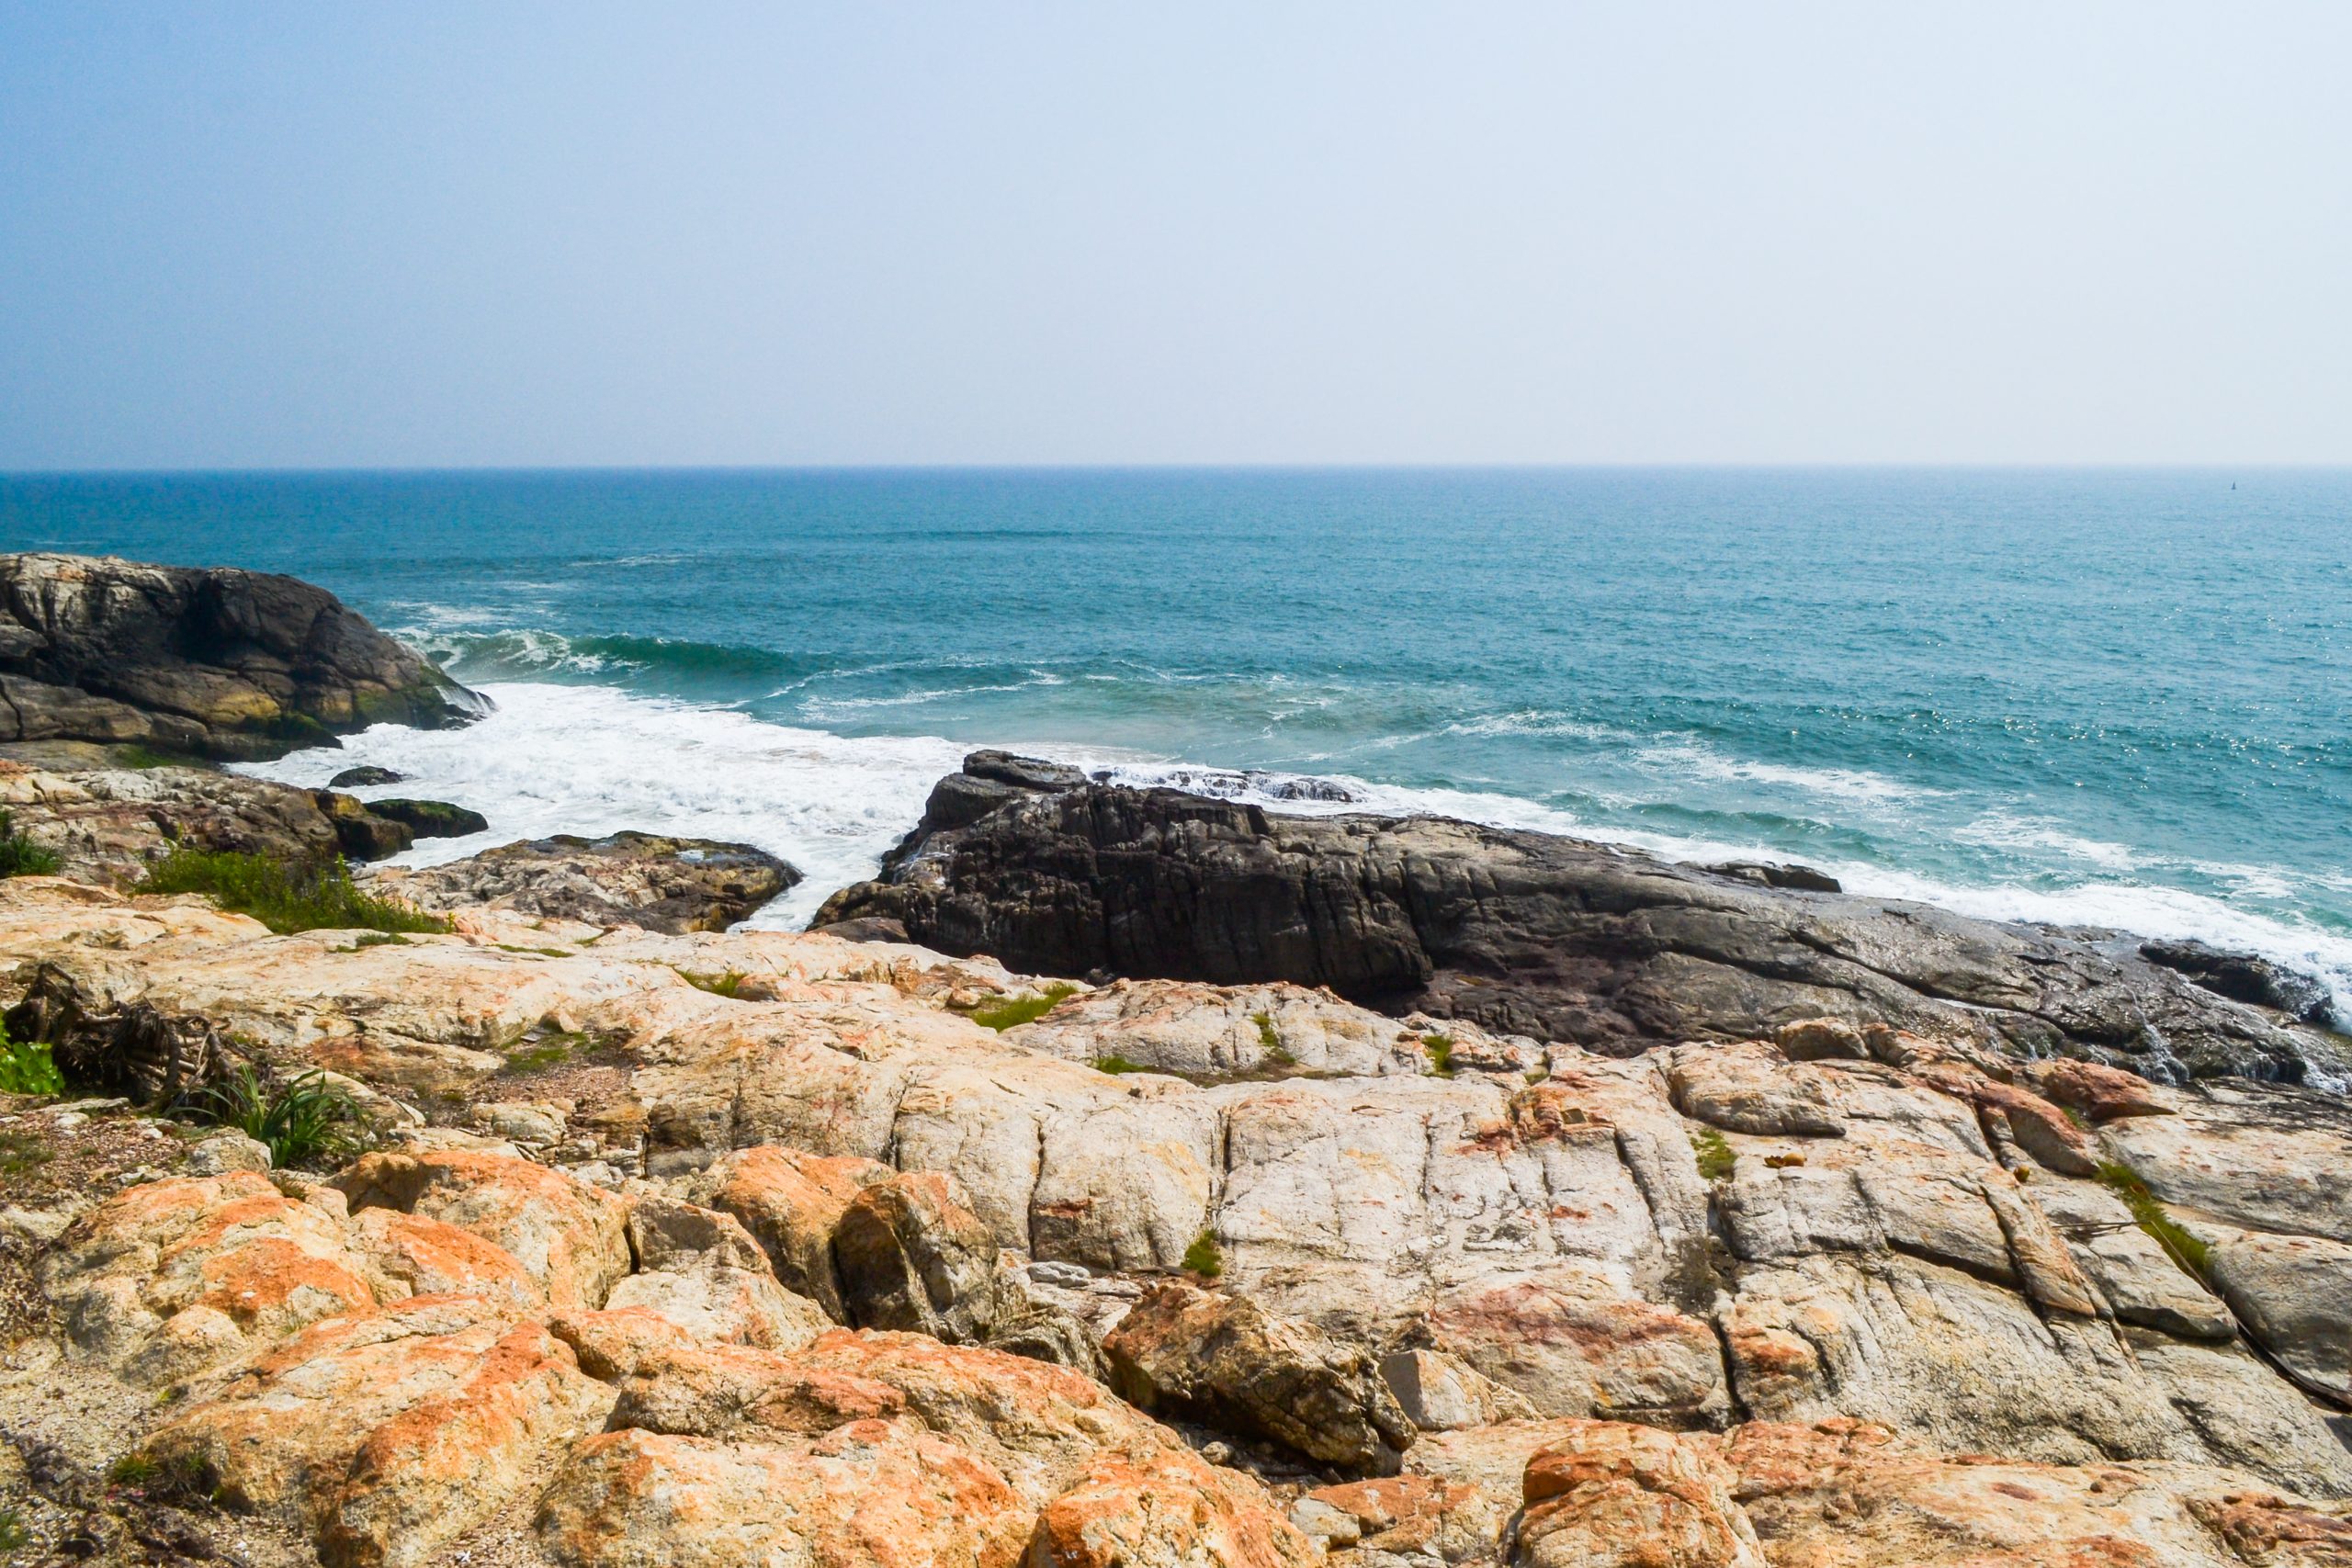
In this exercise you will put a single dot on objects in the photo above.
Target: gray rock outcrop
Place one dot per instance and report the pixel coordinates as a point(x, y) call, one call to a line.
point(203, 662)
point(1532, 934)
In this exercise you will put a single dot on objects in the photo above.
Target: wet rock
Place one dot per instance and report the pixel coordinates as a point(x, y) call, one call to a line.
point(227, 663)
point(361, 833)
point(363, 778)
point(912, 1256)
point(1225, 1360)
point(639, 879)
point(1529, 934)
point(431, 818)
point(2242, 976)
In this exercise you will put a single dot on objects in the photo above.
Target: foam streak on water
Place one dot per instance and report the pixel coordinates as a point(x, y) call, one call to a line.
point(592, 760)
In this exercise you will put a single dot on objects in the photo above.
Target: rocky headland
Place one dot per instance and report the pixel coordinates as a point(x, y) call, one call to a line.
point(1394, 1193)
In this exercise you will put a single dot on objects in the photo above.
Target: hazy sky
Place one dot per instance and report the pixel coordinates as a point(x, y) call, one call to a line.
point(578, 233)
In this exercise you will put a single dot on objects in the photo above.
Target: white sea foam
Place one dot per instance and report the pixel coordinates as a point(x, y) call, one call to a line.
point(593, 760)
point(1848, 785)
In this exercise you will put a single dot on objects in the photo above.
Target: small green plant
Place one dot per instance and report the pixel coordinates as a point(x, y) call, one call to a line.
point(1715, 1157)
point(1203, 1258)
point(21, 1154)
point(302, 1120)
point(2188, 1251)
point(1440, 1049)
point(561, 952)
point(285, 901)
point(14, 1534)
point(1271, 1039)
point(19, 856)
point(547, 1051)
point(729, 985)
point(133, 1470)
point(26, 1068)
point(1117, 1063)
point(134, 755)
point(381, 938)
point(1014, 1011)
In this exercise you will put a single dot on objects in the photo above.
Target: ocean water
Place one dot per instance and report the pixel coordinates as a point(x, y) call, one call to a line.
point(2105, 696)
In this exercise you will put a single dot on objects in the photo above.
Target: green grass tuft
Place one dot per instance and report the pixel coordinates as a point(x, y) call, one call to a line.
point(729, 985)
point(1440, 1049)
point(19, 856)
point(285, 901)
point(1269, 1038)
point(26, 1068)
point(2189, 1252)
point(1014, 1011)
point(1715, 1157)
point(1203, 1257)
point(14, 1534)
point(1118, 1065)
point(300, 1122)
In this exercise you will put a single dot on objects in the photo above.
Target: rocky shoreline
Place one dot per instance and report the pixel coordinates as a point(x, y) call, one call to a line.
point(1202, 1186)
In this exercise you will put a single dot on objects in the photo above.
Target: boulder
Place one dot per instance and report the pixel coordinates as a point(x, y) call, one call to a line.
point(1167, 1510)
point(430, 818)
point(622, 879)
point(359, 831)
point(1525, 934)
point(363, 777)
point(386, 1434)
point(1407, 1518)
point(2293, 1294)
point(1225, 1361)
point(1439, 1393)
point(790, 1201)
point(109, 827)
point(169, 1279)
point(569, 1236)
point(1607, 1495)
point(866, 1494)
point(912, 1256)
point(702, 1270)
point(227, 663)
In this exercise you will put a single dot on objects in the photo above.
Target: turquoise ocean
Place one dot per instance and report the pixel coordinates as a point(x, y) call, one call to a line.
point(2109, 697)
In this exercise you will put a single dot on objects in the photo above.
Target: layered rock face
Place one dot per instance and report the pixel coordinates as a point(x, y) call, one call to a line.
point(1523, 932)
point(638, 879)
point(211, 661)
point(740, 1283)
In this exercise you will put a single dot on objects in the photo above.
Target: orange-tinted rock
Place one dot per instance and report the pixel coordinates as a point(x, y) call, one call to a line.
point(412, 1255)
point(1415, 1516)
point(569, 1236)
point(1608, 1495)
point(170, 1277)
point(1170, 1510)
point(1225, 1359)
point(387, 1434)
point(737, 1392)
point(870, 1495)
point(1572, 1343)
point(1039, 1424)
point(790, 1201)
point(2100, 1094)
